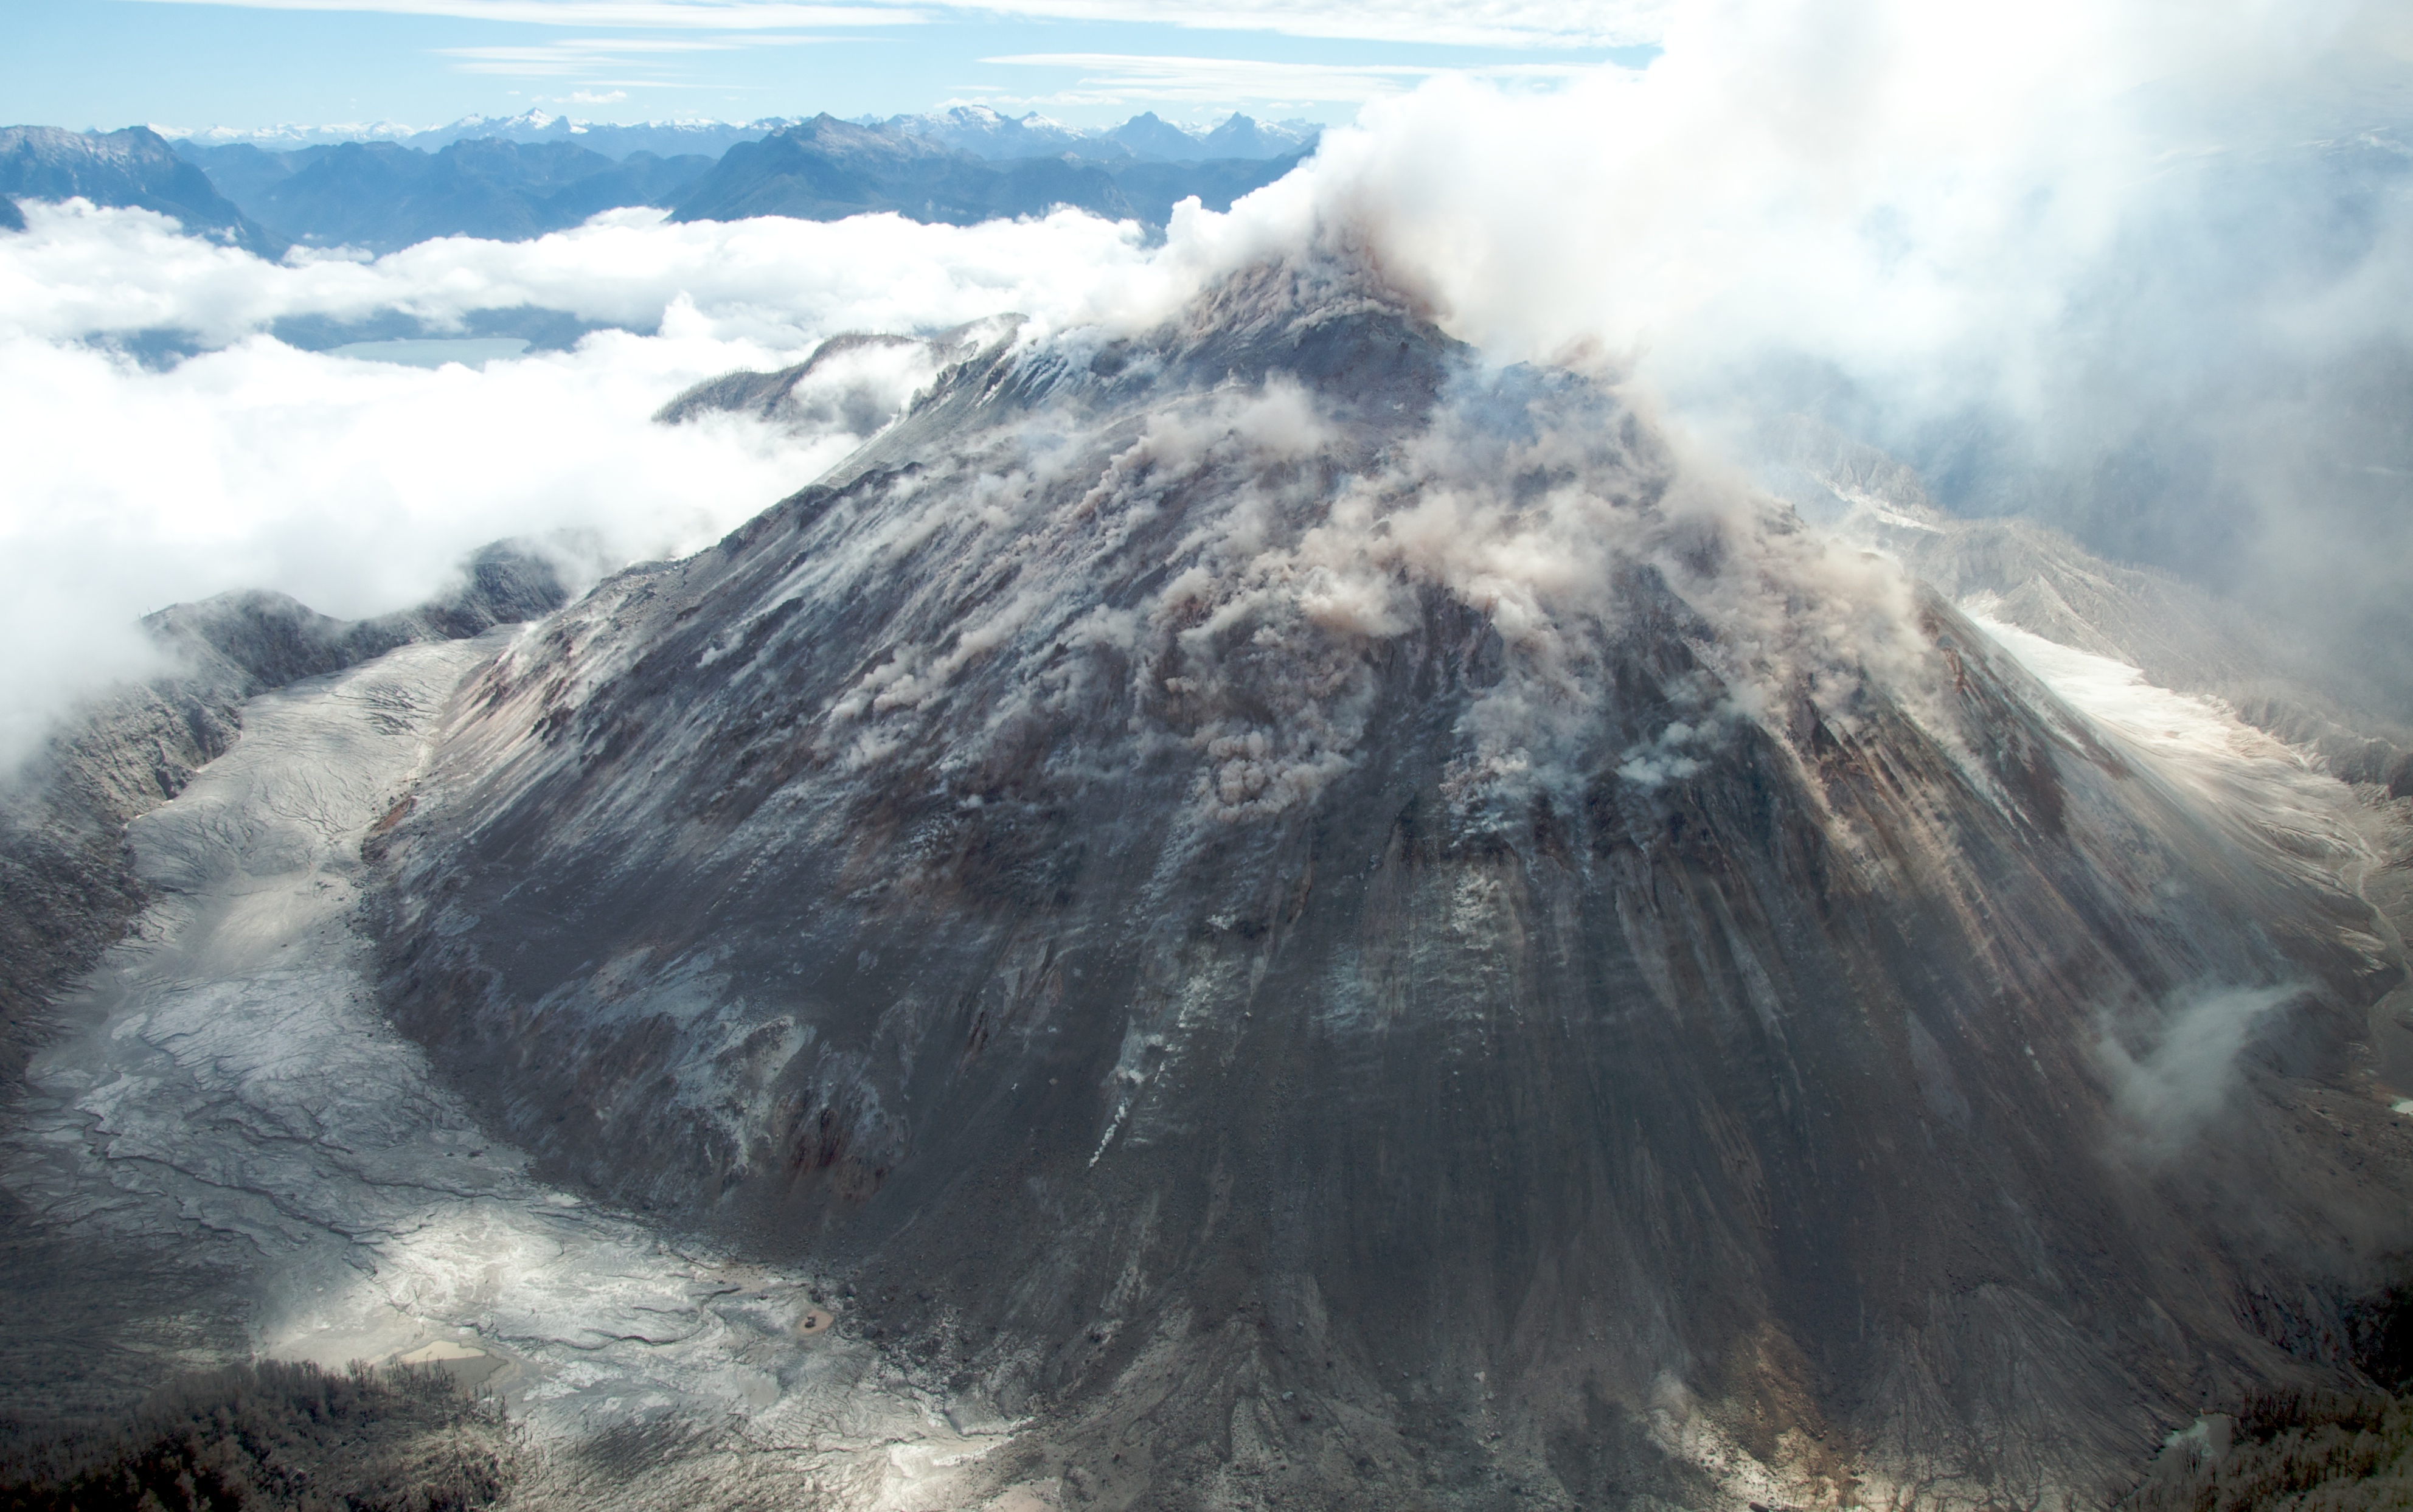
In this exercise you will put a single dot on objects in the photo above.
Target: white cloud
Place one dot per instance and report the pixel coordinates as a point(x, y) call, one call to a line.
point(584, 55)
point(80, 271)
point(1938, 200)
point(1503, 23)
point(677, 14)
point(1584, 23)
point(356, 486)
point(1729, 192)
point(2179, 1084)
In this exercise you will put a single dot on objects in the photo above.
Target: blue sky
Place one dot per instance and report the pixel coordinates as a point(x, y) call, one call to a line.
point(189, 64)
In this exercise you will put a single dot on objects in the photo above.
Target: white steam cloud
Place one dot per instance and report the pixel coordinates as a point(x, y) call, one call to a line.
point(2178, 1084)
point(2139, 269)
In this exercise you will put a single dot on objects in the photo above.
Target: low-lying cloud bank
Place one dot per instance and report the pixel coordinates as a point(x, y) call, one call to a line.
point(81, 272)
point(2139, 271)
point(358, 486)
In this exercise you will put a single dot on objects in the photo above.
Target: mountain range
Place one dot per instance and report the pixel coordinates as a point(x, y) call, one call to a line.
point(826, 169)
point(987, 133)
point(383, 194)
point(134, 166)
point(974, 128)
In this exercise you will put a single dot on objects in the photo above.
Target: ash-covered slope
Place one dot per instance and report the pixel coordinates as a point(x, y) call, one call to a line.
point(1344, 930)
point(67, 888)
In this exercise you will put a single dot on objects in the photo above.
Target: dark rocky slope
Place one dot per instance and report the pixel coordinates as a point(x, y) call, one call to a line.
point(66, 891)
point(1353, 935)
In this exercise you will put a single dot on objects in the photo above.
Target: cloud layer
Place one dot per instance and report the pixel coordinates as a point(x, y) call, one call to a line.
point(79, 273)
point(357, 486)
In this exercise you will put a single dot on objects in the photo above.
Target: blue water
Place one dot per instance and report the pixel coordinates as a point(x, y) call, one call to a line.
point(473, 351)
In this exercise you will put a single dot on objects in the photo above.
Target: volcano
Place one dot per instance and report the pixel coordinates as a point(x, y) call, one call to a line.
point(1318, 923)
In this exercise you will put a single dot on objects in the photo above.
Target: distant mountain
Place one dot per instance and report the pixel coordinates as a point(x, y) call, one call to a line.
point(12, 218)
point(985, 133)
point(641, 178)
point(383, 196)
point(827, 168)
point(135, 168)
point(1148, 136)
point(243, 172)
point(1154, 189)
point(972, 128)
point(667, 139)
point(1241, 137)
point(291, 138)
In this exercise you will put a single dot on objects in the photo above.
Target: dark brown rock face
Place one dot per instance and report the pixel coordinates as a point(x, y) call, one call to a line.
point(1360, 935)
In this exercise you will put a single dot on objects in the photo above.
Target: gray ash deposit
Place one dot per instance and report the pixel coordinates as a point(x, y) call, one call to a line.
point(67, 883)
point(1320, 925)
